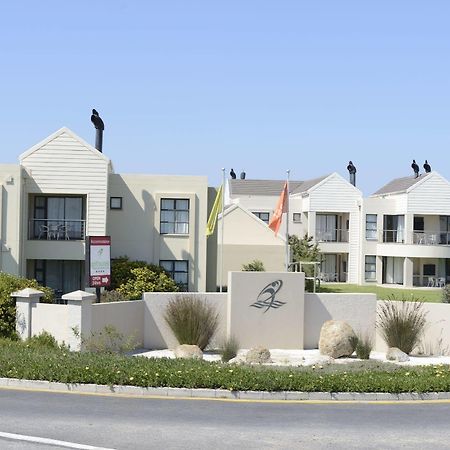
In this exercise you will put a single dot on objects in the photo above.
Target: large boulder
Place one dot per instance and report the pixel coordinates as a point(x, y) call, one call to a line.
point(395, 354)
point(258, 355)
point(337, 339)
point(188, 351)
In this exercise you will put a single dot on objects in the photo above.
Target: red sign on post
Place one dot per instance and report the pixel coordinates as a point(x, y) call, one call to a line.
point(99, 261)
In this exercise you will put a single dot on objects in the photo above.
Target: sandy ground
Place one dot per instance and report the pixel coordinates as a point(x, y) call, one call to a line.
point(305, 357)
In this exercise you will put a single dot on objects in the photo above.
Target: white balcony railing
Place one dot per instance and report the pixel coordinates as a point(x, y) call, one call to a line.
point(56, 229)
point(332, 235)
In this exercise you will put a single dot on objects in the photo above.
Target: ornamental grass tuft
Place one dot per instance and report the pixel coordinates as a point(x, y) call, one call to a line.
point(401, 323)
point(192, 320)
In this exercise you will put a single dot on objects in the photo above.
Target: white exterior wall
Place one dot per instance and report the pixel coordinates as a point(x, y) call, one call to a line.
point(135, 228)
point(430, 196)
point(10, 223)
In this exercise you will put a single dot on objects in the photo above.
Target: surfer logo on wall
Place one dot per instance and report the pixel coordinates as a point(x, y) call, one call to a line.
point(266, 298)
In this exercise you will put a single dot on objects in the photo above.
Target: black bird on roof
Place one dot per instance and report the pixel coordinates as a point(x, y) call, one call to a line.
point(351, 168)
point(415, 167)
point(427, 167)
point(97, 121)
point(232, 174)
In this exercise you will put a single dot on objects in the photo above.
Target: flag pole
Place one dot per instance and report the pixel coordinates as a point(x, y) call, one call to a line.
point(287, 222)
point(221, 232)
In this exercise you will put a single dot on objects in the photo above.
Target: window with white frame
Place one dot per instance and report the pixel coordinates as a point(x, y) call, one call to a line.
point(297, 217)
point(264, 216)
point(178, 270)
point(371, 227)
point(371, 268)
point(174, 216)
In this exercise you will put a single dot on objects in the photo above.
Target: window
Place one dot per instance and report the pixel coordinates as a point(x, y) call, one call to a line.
point(174, 216)
point(371, 268)
point(429, 269)
point(371, 227)
point(297, 217)
point(394, 227)
point(178, 270)
point(326, 227)
point(264, 216)
point(58, 217)
point(115, 203)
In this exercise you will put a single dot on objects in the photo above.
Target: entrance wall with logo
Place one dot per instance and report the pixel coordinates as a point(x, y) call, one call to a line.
point(266, 309)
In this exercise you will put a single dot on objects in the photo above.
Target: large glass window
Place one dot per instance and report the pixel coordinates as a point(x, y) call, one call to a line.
point(392, 270)
point(264, 216)
point(371, 227)
point(174, 216)
point(178, 270)
point(394, 228)
point(444, 224)
point(326, 227)
point(371, 268)
point(58, 217)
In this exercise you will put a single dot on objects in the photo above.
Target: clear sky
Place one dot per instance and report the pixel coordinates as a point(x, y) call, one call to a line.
point(189, 87)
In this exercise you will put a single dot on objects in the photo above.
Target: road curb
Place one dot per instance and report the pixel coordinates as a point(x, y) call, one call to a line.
point(136, 391)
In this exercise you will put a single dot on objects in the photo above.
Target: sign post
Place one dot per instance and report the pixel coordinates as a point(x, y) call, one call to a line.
point(98, 262)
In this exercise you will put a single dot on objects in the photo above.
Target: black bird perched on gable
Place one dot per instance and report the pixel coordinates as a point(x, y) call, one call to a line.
point(97, 121)
point(427, 167)
point(351, 168)
point(415, 167)
point(232, 174)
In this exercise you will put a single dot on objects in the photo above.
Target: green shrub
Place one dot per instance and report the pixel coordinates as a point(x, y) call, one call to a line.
point(121, 270)
point(112, 296)
point(255, 266)
point(43, 340)
point(8, 285)
point(401, 323)
point(109, 340)
point(144, 279)
point(363, 345)
point(229, 349)
point(192, 320)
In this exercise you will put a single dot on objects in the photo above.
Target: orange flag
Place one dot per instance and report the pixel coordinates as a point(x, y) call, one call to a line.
point(282, 206)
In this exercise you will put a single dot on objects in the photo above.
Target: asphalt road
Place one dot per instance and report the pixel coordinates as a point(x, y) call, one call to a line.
point(145, 423)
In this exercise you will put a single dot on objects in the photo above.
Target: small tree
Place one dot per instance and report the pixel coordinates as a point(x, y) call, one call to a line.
point(144, 279)
point(304, 249)
point(8, 285)
point(255, 266)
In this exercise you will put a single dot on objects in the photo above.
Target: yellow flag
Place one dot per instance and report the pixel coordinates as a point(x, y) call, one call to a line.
point(211, 225)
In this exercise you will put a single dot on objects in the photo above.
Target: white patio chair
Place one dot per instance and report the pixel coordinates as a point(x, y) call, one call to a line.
point(431, 282)
point(441, 282)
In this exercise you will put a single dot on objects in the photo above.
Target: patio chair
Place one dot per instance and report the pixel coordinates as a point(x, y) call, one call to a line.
point(431, 282)
point(441, 282)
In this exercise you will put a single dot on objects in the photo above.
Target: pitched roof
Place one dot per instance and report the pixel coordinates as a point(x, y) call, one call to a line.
point(260, 187)
point(270, 187)
point(399, 185)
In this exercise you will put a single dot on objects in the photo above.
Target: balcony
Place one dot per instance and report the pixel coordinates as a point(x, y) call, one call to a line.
point(431, 238)
point(396, 236)
point(332, 235)
point(56, 230)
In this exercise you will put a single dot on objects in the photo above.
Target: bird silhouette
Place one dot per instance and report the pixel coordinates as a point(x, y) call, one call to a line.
point(97, 121)
point(427, 167)
point(232, 174)
point(351, 168)
point(415, 167)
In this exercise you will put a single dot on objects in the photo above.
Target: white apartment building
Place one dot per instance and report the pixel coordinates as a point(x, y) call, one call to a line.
point(399, 235)
point(327, 208)
point(63, 190)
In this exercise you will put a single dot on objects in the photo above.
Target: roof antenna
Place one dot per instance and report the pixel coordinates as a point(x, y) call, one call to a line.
point(99, 126)
point(415, 167)
point(352, 173)
point(427, 167)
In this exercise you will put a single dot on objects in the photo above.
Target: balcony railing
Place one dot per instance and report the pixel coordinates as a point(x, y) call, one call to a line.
point(56, 229)
point(332, 235)
point(431, 238)
point(397, 236)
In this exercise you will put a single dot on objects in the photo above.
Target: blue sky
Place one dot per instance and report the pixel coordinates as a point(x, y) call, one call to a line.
point(189, 87)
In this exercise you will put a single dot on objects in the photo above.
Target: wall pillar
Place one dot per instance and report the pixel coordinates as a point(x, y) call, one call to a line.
point(379, 270)
point(26, 299)
point(409, 226)
point(312, 224)
point(408, 272)
point(79, 316)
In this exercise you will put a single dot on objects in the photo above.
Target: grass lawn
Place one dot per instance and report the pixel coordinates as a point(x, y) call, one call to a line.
point(425, 295)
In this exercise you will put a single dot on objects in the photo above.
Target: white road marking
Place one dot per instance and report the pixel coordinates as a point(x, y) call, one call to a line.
point(39, 440)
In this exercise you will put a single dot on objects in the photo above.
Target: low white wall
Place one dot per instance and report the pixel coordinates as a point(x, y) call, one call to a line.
point(157, 333)
point(359, 310)
point(436, 339)
point(126, 317)
point(53, 319)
